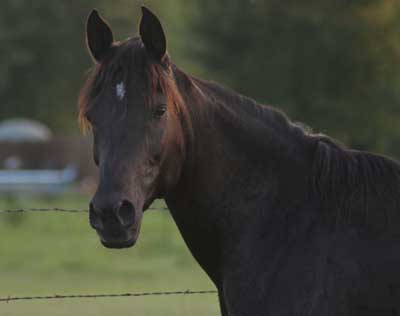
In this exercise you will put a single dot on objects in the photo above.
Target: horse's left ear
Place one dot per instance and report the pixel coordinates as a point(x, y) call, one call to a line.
point(152, 34)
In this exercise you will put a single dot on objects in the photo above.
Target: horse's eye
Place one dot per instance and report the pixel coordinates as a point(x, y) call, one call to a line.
point(96, 159)
point(160, 111)
point(95, 150)
point(89, 118)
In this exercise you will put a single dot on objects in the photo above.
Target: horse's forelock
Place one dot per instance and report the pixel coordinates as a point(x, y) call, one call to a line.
point(160, 79)
point(84, 99)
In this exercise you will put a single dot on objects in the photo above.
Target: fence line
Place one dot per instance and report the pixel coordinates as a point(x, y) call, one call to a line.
point(55, 209)
point(88, 296)
point(61, 210)
point(95, 296)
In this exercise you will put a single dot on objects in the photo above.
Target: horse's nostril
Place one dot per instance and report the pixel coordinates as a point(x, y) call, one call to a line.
point(93, 209)
point(94, 217)
point(126, 213)
point(109, 213)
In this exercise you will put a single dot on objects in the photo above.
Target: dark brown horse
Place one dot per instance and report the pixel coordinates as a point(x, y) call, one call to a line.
point(284, 222)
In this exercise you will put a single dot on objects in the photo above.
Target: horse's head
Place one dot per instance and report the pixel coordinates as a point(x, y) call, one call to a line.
point(133, 107)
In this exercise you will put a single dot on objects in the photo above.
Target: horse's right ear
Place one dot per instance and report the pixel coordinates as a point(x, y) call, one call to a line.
point(99, 36)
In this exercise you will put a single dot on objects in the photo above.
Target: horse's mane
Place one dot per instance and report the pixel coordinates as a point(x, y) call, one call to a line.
point(256, 127)
point(356, 187)
point(351, 186)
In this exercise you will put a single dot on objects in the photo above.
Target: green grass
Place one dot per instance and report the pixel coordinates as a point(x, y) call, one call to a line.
point(53, 253)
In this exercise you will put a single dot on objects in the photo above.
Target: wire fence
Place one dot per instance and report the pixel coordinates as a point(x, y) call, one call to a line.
point(88, 296)
point(96, 296)
point(61, 210)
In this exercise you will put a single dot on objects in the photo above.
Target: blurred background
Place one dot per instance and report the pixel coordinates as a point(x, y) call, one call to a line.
point(333, 65)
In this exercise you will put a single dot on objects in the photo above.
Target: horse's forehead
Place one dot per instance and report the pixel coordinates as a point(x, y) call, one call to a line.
point(130, 52)
point(125, 71)
point(126, 65)
point(120, 90)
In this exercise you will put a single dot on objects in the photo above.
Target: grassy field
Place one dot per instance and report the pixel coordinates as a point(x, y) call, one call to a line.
point(51, 253)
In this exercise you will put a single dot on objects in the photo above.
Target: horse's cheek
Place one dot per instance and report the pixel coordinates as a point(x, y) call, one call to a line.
point(149, 176)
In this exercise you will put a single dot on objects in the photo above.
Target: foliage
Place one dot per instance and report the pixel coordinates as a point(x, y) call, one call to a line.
point(44, 56)
point(332, 64)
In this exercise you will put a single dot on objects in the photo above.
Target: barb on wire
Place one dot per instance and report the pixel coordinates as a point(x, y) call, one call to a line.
point(61, 210)
point(95, 296)
point(55, 209)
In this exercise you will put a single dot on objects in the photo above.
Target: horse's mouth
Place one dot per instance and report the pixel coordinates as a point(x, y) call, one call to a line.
point(118, 244)
point(117, 239)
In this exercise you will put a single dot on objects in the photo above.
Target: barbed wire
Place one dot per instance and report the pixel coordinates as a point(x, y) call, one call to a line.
point(95, 296)
point(61, 210)
point(55, 209)
point(88, 296)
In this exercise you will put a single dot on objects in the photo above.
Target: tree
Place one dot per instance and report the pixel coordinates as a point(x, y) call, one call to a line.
point(44, 56)
point(332, 64)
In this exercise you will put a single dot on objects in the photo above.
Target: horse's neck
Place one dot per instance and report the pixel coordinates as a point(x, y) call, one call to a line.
point(243, 145)
point(237, 169)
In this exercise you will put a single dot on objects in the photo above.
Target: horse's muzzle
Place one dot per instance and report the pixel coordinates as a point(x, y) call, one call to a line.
point(115, 225)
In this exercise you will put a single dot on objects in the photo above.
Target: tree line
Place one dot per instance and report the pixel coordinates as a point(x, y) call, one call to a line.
point(334, 65)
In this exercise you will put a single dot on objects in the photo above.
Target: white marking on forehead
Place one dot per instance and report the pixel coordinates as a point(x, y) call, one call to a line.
point(120, 90)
